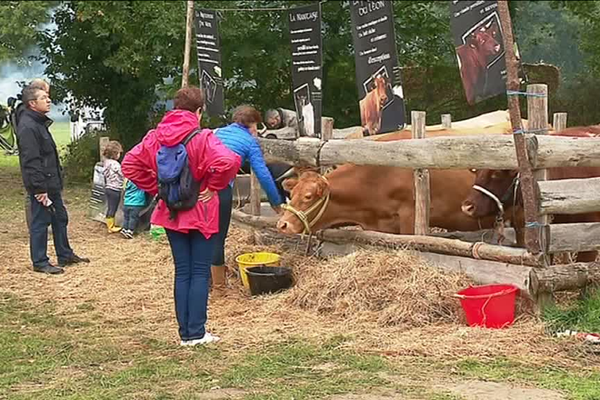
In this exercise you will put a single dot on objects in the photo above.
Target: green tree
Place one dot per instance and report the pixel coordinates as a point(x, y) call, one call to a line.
point(20, 22)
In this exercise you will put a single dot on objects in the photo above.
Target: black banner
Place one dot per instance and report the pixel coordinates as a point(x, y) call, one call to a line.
point(209, 59)
point(307, 71)
point(377, 70)
point(479, 46)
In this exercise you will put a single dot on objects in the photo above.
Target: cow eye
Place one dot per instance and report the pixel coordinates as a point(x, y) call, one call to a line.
point(308, 196)
point(473, 170)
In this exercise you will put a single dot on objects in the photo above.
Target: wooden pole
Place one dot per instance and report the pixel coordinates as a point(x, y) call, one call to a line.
point(446, 121)
point(188, 43)
point(559, 122)
point(527, 180)
point(326, 128)
point(537, 112)
point(421, 179)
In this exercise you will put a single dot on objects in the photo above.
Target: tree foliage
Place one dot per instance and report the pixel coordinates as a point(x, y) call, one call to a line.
point(19, 25)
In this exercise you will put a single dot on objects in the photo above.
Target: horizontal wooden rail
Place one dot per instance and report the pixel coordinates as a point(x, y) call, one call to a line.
point(574, 237)
point(569, 196)
point(444, 152)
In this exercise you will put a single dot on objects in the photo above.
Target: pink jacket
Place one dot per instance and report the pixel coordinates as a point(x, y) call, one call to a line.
point(210, 161)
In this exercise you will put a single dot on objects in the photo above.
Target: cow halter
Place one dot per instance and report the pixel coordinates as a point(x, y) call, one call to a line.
point(304, 216)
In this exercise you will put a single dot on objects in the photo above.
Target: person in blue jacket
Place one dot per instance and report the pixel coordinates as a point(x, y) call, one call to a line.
point(134, 202)
point(238, 138)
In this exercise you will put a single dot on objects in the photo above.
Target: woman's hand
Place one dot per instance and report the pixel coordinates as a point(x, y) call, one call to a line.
point(206, 195)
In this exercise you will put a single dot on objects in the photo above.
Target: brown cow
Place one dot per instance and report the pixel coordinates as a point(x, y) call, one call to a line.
point(473, 58)
point(371, 106)
point(503, 185)
point(382, 198)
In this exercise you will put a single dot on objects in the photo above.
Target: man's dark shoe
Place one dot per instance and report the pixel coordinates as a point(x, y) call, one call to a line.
point(49, 269)
point(73, 260)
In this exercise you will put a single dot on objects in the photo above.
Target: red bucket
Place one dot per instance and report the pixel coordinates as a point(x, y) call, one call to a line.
point(492, 306)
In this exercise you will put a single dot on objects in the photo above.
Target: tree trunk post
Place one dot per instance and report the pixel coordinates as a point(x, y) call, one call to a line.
point(188, 43)
point(446, 121)
point(102, 145)
point(559, 122)
point(421, 179)
point(527, 180)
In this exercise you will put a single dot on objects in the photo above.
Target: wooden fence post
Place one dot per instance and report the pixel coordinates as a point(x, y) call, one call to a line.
point(102, 145)
point(326, 128)
point(537, 112)
point(421, 179)
point(446, 121)
point(559, 121)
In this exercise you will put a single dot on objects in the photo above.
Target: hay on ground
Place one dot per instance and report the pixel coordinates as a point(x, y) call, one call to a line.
point(391, 289)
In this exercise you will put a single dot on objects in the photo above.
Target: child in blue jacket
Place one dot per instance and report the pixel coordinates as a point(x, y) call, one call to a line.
point(238, 138)
point(133, 204)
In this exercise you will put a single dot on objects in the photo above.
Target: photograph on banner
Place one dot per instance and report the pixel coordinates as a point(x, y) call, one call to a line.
point(377, 71)
point(307, 68)
point(478, 40)
point(209, 59)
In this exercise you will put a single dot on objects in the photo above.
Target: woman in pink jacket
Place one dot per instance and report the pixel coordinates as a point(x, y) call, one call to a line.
point(191, 233)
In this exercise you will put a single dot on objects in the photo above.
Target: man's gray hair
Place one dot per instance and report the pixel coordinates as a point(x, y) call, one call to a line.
point(30, 93)
point(272, 113)
point(40, 84)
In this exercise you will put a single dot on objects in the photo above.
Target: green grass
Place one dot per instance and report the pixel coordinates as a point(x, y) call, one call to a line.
point(582, 316)
point(61, 132)
point(583, 385)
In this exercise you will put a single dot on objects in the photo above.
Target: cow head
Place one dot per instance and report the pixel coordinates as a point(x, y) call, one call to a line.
point(493, 189)
point(307, 192)
point(380, 90)
point(485, 40)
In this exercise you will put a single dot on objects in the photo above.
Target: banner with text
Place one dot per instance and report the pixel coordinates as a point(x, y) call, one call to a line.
point(377, 70)
point(479, 47)
point(307, 69)
point(209, 59)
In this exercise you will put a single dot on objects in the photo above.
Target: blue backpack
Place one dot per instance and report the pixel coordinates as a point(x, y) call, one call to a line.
point(176, 184)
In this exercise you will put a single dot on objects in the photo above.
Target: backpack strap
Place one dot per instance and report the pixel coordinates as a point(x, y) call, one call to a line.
point(191, 136)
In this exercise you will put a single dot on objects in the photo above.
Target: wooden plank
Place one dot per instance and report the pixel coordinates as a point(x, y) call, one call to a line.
point(446, 121)
point(574, 237)
point(570, 196)
point(421, 179)
point(559, 121)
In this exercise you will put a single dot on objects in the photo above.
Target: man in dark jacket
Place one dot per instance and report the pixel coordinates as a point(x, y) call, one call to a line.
point(42, 177)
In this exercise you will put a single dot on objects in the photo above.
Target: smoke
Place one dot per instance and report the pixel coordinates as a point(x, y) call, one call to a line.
point(11, 73)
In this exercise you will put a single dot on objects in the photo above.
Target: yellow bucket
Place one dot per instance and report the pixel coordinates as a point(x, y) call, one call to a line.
point(249, 260)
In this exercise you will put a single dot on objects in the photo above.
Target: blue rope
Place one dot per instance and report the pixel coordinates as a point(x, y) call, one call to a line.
point(533, 224)
point(521, 131)
point(517, 93)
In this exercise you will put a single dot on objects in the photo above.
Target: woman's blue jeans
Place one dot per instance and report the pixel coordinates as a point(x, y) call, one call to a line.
point(192, 254)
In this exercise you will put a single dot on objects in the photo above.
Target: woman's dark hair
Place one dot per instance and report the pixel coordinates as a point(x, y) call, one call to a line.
point(189, 98)
point(246, 115)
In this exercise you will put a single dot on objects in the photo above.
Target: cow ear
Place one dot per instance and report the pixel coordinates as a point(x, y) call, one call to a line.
point(289, 184)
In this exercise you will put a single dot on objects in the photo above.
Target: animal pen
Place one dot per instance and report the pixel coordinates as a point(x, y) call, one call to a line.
point(530, 268)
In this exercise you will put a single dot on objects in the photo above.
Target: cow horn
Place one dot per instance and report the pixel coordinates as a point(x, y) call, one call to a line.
point(287, 174)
